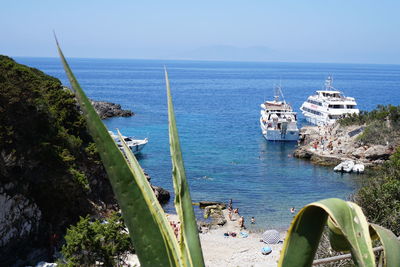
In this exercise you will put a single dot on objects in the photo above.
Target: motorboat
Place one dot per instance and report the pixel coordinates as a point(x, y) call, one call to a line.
point(135, 145)
point(345, 166)
point(278, 121)
point(328, 105)
point(358, 168)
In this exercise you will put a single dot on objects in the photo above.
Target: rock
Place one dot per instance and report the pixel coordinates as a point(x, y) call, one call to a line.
point(162, 195)
point(19, 220)
point(303, 153)
point(204, 204)
point(377, 152)
point(358, 152)
point(378, 162)
point(216, 214)
point(325, 160)
point(218, 218)
point(109, 110)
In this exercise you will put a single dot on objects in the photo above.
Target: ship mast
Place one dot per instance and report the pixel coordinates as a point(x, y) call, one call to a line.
point(329, 83)
point(278, 93)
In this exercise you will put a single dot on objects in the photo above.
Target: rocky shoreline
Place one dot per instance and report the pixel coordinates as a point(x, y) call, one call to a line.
point(109, 110)
point(330, 145)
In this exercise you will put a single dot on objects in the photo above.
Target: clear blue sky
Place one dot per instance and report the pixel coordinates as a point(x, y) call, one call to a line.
point(352, 31)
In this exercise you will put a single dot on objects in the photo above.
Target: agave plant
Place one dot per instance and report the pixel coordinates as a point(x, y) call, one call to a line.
point(349, 231)
point(149, 229)
point(152, 236)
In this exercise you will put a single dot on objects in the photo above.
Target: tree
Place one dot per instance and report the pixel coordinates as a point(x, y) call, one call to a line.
point(91, 241)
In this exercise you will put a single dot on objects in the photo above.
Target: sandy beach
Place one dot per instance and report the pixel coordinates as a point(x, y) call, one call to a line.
point(219, 250)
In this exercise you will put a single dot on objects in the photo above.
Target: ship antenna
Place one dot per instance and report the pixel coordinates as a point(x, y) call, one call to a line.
point(329, 82)
point(278, 92)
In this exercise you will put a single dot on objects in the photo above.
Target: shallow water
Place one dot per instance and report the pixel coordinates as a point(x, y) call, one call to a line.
point(217, 110)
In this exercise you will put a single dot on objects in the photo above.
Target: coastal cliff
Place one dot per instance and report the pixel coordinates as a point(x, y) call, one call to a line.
point(50, 171)
point(369, 138)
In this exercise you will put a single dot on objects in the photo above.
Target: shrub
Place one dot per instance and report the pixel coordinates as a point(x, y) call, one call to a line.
point(380, 198)
point(89, 242)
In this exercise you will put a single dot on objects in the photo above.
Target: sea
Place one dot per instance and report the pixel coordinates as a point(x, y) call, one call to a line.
point(217, 107)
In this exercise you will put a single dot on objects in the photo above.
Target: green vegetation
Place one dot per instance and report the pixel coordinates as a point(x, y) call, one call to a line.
point(46, 152)
point(380, 198)
point(382, 125)
point(89, 242)
point(348, 231)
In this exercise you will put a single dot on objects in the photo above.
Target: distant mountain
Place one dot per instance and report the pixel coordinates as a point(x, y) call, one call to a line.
point(231, 53)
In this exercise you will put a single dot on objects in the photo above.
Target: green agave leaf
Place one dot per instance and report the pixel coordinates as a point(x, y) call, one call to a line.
point(189, 238)
point(302, 238)
point(305, 232)
point(390, 243)
point(144, 230)
point(336, 237)
point(153, 204)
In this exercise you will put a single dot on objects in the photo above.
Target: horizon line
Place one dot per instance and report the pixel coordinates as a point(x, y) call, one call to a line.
point(209, 60)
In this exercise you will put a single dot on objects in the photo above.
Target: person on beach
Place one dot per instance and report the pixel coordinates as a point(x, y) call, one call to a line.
point(253, 220)
point(230, 215)
point(230, 205)
point(236, 211)
point(241, 222)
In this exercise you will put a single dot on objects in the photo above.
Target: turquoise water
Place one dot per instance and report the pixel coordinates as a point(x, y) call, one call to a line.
point(217, 110)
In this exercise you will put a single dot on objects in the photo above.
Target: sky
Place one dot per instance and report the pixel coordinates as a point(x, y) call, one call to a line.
point(342, 31)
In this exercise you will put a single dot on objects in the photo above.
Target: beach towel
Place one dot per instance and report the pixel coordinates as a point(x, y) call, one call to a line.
point(266, 250)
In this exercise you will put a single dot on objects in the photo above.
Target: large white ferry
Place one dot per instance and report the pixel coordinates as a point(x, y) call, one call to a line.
point(278, 121)
point(328, 105)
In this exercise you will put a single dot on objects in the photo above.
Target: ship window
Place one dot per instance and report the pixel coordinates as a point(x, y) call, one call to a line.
point(314, 102)
point(351, 106)
point(313, 111)
point(336, 106)
point(335, 117)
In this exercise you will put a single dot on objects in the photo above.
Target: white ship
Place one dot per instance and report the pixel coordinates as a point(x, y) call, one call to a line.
point(328, 105)
point(136, 145)
point(278, 121)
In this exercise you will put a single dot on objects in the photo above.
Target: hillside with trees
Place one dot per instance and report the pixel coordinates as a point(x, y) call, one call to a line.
point(50, 172)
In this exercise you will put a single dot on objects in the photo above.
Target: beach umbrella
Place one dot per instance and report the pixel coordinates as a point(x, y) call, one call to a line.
point(271, 237)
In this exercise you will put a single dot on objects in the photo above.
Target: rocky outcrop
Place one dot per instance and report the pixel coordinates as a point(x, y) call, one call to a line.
point(20, 221)
point(215, 213)
point(330, 145)
point(162, 195)
point(378, 152)
point(109, 110)
point(204, 204)
point(19, 217)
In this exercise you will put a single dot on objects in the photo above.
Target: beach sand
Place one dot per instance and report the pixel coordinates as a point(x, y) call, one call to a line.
point(219, 250)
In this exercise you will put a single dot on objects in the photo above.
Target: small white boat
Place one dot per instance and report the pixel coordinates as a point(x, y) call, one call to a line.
point(345, 166)
point(358, 168)
point(278, 121)
point(136, 145)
